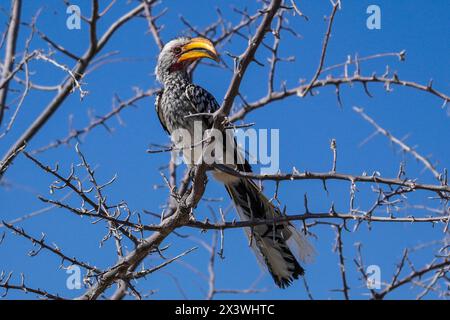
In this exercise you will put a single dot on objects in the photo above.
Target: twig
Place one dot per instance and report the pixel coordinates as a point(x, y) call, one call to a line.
point(336, 6)
point(336, 176)
point(5, 283)
point(400, 143)
point(54, 250)
point(331, 81)
point(339, 247)
point(100, 121)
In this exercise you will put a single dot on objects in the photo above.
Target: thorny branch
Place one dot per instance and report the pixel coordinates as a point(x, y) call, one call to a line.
point(5, 283)
point(442, 189)
point(336, 6)
point(400, 143)
point(439, 265)
point(76, 134)
point(387, 80)
point(94, 47)
point(43, 245)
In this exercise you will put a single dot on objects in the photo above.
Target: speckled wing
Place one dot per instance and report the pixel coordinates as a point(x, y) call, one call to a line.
point(201, 100)
point(158, 110)
point(204, 102)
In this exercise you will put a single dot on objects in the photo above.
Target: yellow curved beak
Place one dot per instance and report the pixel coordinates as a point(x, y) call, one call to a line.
point(198, 48)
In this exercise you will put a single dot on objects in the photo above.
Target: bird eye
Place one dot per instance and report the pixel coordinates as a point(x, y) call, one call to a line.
point(177, 50)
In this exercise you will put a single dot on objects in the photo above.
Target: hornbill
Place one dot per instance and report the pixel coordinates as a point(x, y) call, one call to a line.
point(178, 105)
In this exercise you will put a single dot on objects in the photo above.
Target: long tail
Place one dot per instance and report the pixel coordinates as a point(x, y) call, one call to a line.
point(280, 247)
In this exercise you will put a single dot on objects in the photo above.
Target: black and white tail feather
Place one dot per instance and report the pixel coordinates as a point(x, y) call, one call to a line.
point(280, 247)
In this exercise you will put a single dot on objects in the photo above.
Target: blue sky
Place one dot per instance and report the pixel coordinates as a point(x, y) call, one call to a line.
point(306, 128)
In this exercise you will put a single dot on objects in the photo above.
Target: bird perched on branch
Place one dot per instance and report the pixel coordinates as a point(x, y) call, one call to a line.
point(180, 106)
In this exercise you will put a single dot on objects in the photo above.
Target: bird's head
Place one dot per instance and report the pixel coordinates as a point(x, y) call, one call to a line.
point(179, 53)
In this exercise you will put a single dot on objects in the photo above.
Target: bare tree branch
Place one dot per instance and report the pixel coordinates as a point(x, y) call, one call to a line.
point(400, 143)
point(336, 6)
point(66, 88)
point(11, 40)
